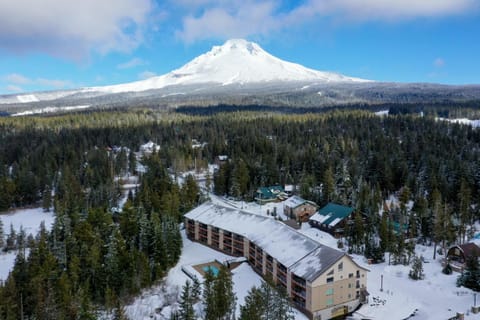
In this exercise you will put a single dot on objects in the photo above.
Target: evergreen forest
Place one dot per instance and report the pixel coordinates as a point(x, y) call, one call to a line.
point(96, 257)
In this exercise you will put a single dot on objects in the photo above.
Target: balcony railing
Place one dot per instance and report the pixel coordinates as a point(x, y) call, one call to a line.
point(301, 293)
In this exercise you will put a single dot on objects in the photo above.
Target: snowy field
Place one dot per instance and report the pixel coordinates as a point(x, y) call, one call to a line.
point(29, 220)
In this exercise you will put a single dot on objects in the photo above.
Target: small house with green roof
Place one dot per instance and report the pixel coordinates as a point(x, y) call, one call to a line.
point(332, 218)
point(270, 194)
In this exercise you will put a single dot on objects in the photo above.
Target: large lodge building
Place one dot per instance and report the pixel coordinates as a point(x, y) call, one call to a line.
point(321, 281)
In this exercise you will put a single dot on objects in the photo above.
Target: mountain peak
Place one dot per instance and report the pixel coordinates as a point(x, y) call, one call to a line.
point(240, 45)
point(237, 61)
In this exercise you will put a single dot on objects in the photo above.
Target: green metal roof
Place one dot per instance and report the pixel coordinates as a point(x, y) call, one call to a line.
point(269, 192)
point(332, 213)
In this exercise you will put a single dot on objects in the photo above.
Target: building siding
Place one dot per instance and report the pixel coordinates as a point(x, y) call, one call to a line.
point(309, 297)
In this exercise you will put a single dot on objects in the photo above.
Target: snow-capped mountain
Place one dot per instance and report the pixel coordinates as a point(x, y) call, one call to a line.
point(237, 61)
point(237, 73)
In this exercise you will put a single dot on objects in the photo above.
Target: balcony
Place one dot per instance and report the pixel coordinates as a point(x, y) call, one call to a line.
point(282, 268)
point(298, 301)
point(299, 292)
point(237, 237)
point(237, 252)
point(238, 245)
point(298, 281)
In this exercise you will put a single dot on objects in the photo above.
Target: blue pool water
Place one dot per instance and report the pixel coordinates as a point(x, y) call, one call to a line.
point(213, 269)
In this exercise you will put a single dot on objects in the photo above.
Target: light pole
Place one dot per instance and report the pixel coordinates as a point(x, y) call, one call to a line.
point(381, 283)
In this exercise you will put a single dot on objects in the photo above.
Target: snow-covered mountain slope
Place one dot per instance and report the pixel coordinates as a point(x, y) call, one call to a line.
point(235, 62)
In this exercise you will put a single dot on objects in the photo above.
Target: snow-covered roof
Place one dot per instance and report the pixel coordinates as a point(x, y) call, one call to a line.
point(314, 264)
point(332, 214)
point(334, 222)
point(288, 246)
point(150, 146)
point(319, 218)
point(294, 201)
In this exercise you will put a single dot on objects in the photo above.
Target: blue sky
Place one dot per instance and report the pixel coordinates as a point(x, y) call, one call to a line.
point(62, 44)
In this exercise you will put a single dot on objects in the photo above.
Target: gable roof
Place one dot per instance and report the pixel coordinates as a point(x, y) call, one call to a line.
point(294, 201)
point(304, 256)
point(332, 214)
point(470, 249)
point(269, 192)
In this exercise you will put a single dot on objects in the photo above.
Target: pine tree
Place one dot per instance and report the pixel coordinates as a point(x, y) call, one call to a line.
point(328, 185)
point(470, 278)
point(225, 298)
point(267, 303)
point(47, 198)
point(11, 242)
point(218, 295)
point(416, 273)
point(254, 306)
point(2, 235)
point(209, 296)
point(186, 311)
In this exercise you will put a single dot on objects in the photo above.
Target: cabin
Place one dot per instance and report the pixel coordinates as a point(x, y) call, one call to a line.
point(299, 209)
point(221, 159)
point(458, 255)
point(270, 194)
point(332, 219)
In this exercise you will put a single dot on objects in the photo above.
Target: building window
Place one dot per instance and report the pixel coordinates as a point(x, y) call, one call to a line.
point(350, 275)
point(329, 292)
point(330, 280)
point(349, 286)
point(329, 302)
point(330, 273)
point(349, 296)
point(340, 266)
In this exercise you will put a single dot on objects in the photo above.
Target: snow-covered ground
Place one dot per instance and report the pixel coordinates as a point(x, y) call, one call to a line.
point(473, 123)
point(48, 109)
point(435, 297)
point(159, 301)
point(29, 220)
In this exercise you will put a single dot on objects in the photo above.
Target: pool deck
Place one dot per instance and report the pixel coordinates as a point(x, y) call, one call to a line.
point(196, 270)
point(199, 267)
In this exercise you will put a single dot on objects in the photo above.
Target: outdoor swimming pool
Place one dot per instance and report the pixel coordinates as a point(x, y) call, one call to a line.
point(212, 268)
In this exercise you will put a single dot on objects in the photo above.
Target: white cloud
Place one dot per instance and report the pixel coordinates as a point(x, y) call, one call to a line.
point(439, 63)
point(14, 88)
point(248, 18)
point(16, 79)
point(71, 28)
point(146, 74)
point(227, 19)
point(135, 62)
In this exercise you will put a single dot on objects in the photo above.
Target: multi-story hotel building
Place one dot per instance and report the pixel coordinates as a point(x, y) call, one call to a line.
point(321, 281)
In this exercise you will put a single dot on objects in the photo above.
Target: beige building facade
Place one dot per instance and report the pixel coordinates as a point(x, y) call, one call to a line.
point(321, 281)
